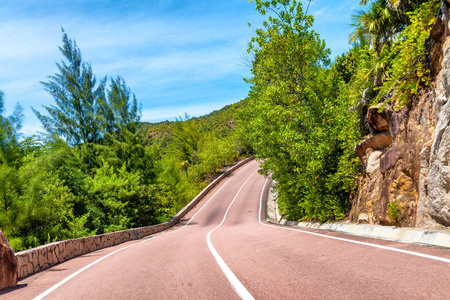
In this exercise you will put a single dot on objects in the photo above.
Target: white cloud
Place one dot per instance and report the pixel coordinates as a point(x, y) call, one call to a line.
point(176, 53)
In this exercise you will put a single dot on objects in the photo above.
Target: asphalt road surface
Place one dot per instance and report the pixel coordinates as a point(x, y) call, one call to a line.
point(222, 250)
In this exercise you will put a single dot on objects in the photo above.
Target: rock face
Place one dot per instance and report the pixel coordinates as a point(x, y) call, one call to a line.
point(373, 161)
point(413, 171)
point(378, 121)
point(378, 141)
point(437, 181)
point(8, 264)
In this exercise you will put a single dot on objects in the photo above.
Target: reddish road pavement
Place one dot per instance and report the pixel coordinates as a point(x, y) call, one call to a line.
point(221, 250)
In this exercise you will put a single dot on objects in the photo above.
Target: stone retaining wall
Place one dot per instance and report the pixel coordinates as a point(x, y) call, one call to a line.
point(36, 259)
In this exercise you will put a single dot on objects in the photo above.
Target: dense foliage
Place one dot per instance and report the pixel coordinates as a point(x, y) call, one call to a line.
point(98, 169)
point(300, 125)
point(305, 113)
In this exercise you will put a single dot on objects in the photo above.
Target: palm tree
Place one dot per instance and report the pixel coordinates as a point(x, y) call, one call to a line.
point(395, 4)
point(378, 26)
point(393, 15)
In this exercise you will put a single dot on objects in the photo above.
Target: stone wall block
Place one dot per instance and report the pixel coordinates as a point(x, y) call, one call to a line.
point(91, 243)
point(77, 247)
point(67, 250)
point(107, 242)
point(21, 260)
point(86, 245)
point(58, 252)
point(73, 252)
point(22, 271)
point(54, 260)
point(49, 258)
point(83, 246)
point(41, 259)
point(32, 258)
point(30, 269)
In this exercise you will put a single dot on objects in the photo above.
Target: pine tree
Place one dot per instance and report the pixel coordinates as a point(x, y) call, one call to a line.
point(84, 111)
point(121, 108)
point(75, 115)
point(9, 133)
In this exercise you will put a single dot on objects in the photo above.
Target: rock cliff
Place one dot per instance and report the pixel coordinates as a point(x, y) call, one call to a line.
point(8, 264)
point(406, 157)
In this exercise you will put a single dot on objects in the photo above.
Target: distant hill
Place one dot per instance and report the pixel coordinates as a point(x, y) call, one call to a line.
point(222, 121)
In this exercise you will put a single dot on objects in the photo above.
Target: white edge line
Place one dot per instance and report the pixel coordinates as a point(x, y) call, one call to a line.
point(53, 288)
point(47, 292)
point(446, 260)
point(234, 281)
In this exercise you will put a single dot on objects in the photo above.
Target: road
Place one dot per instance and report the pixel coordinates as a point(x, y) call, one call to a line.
point(222, 250)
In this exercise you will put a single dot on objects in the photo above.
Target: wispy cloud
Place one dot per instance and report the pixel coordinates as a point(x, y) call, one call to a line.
point(177, 56)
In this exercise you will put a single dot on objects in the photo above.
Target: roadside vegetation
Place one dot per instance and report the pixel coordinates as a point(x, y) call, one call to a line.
point(99, 169)
point(305, 112)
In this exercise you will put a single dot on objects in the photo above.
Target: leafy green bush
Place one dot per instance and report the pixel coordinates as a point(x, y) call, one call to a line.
point(407, 72)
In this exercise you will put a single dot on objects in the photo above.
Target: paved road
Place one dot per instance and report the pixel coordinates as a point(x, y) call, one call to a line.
point(221, 250)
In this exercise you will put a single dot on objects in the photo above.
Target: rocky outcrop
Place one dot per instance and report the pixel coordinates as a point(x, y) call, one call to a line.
point(413, 174)
point(371, 149)
point(372, 141)
point(8, 264)
point(373, 161)
point(435, 159)
point(377, 118)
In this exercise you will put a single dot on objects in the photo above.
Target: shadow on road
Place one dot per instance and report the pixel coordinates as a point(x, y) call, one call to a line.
point(8, 290)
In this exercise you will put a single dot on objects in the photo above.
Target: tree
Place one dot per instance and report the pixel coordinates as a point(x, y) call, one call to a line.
point(297, 124)
point(186, 138)
point(75, 116)
point(9, 152)
point(120, 108)
point(84, 111)
point(377, 26)
point(9, 133)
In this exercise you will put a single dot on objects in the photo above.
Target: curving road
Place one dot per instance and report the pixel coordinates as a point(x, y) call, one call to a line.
point(222, 250)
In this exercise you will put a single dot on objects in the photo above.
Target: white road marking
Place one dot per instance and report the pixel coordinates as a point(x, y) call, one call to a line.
point(234, 281)
point(446, 260)
point(48, 291)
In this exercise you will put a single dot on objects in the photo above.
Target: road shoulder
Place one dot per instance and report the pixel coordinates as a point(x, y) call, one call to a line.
point(430, 237)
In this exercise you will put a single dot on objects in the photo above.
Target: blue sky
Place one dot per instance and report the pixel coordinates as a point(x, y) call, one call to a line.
point(176, 56)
